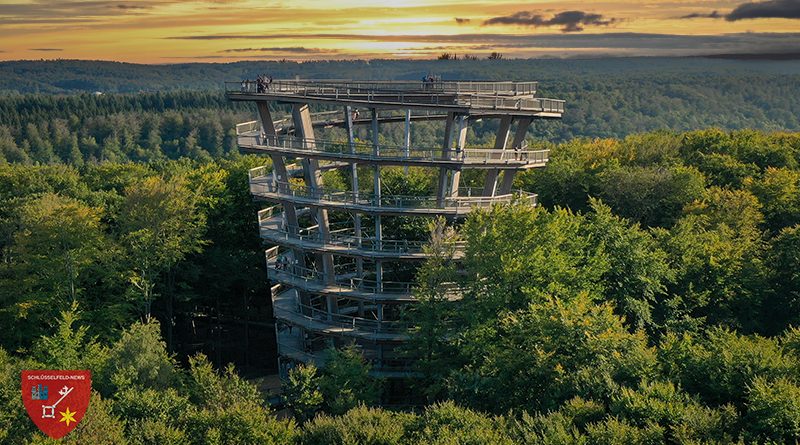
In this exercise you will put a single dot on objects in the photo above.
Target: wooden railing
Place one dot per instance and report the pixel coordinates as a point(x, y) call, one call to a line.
point(422, 94)
point(273, 227)
point(468, 197)
point(287, 306)
point(344, 282)
point(365, 151)
point(508, 88)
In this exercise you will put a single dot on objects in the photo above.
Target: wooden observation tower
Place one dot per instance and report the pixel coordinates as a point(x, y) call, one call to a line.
point(338, 276)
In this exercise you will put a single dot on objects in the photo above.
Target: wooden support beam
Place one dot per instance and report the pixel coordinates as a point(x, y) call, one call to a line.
point(461, 140)
point(278, 163)
point(519, 139)
point(377, 197)
point(332, 304)
point(301, 116)
point(500, 141)
point(441, 189)
point(348, 119)
point(407, 139)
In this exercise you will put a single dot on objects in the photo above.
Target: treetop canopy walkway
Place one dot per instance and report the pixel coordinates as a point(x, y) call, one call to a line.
point(458, 96)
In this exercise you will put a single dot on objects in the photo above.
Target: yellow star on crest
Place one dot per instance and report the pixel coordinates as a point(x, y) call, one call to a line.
point(68, 416)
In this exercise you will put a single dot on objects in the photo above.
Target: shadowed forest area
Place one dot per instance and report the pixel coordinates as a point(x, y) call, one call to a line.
point(653, 297)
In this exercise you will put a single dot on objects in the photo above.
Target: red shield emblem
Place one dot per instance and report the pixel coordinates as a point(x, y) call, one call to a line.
point(56, 400)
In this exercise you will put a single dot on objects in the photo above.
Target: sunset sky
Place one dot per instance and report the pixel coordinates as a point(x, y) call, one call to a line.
point(164, 31)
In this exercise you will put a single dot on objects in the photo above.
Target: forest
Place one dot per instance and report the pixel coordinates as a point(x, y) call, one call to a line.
point(652, 298)
point(605, 97)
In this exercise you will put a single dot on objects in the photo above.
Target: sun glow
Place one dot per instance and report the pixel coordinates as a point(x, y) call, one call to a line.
point(159, 31)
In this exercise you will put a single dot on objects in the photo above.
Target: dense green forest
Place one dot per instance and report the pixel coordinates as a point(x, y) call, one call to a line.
point(652, 298)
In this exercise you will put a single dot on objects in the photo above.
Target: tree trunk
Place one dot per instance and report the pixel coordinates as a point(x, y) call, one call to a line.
point(170, 307)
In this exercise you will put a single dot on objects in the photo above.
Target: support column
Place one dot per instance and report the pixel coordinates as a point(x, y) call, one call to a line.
point(282, 177)
point(332, 304)
point(500, 141)
point(348, 123)
point(278, 164)
point(519, 139)
point(407, 139)
point(441, 189)
point(377, 197)
point(455, 174)
point(304, 129)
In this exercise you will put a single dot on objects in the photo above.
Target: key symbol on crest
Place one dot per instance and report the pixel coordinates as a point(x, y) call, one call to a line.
point(49, 411)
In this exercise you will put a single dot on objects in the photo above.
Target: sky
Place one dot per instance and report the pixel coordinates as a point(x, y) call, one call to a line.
point(167, 31)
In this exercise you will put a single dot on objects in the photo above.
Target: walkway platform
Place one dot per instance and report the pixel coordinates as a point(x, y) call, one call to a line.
point(463, 97)
point(477, 158)
point(341, 242)
point(346, 284)
point(286, 308)
point(467, 200)
point(290, 345)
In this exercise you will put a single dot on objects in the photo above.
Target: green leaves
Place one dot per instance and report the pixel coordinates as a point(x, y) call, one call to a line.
point(70, 347)
point(345, 381)
point(57, 255)
point(301, 392)
point(160, 224)
point(733, 360)
point(139, 359)
point(560, 349)
point(774, 410)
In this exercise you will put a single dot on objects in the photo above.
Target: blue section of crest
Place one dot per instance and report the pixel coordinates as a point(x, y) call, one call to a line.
point(39, 392)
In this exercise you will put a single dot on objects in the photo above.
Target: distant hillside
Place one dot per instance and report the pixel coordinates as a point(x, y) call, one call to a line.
point(750, 56)
point(609, 97)
point(70, 76)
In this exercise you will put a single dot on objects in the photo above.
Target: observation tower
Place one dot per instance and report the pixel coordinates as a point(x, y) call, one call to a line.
point(341, 265)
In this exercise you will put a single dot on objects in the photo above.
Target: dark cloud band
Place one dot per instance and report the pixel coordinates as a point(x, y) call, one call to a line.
point(784, 9)
point(700, 15)
point(570, 21)
point(282, 49)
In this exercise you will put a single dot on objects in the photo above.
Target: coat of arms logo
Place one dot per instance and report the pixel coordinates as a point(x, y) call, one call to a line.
point(56, 400)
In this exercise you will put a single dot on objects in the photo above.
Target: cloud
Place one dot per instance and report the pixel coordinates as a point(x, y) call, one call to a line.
point(784, 9)
point(282, 49)
point(283, 36)
point(39, 11)
point(700, 15)
point(461, 21)
point(570, 21)
point(127, 7)
point(46, 49)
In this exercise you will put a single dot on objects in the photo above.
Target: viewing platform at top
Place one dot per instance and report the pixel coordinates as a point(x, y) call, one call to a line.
point(463, 97)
